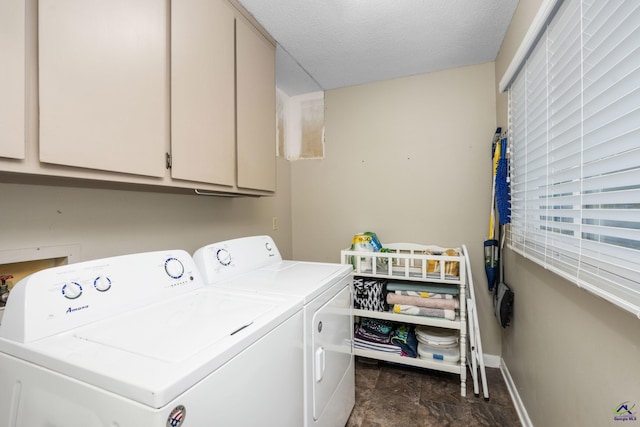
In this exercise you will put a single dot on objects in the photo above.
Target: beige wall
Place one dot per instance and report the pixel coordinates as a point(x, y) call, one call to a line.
point(572, 356)
point(114, 222)
point(409, 159)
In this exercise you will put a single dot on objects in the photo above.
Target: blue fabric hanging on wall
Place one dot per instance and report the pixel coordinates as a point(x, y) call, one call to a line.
point(503, 191)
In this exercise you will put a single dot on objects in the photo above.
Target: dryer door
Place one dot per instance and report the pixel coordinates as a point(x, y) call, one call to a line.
point(331, 345)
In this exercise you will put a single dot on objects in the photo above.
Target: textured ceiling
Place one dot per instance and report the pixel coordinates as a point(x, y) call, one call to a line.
point(348, 42)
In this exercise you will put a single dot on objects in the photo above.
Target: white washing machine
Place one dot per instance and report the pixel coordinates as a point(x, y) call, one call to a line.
point(140, 341)
point(254, 265)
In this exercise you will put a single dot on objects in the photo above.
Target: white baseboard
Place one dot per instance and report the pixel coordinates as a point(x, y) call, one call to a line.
point(492, 361)
point(515, 397)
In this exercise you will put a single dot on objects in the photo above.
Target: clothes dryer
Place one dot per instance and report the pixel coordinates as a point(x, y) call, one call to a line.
point(254, 265)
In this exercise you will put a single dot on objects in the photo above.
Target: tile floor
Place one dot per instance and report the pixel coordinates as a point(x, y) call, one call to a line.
point(389, 395)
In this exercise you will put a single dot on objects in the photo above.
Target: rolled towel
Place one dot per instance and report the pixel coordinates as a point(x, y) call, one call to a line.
point(450, 304)
point(422, 287)
point(424, 294)
point(424, 311)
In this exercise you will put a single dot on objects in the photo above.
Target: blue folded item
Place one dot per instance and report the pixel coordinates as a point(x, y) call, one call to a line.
point(404, 336)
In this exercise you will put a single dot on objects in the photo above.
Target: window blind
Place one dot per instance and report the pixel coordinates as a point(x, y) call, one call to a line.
point(574, 127)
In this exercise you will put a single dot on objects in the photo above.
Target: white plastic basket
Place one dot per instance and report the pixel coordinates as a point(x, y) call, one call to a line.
point(409, 261)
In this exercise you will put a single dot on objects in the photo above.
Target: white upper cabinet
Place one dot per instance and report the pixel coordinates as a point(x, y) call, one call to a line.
point(256, 109)
point(103, 84)
point(222, 97)
point(203, 92)
point(177, 94)
point(12, 78)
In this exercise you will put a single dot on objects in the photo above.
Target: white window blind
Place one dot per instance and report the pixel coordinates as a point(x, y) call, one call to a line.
point(574, 126)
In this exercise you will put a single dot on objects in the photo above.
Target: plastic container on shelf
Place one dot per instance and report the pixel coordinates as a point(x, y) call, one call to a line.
point(450, 355)
point(436, 337)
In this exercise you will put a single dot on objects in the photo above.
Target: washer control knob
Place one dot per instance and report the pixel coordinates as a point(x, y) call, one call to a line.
point(268, 246)
point(224, 257)
point(71, 290)
point(102, 283)
point(174, 268)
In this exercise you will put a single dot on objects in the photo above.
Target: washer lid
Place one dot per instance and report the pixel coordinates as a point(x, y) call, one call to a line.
point(177, 330)
point(154, 354)
point(307, 280)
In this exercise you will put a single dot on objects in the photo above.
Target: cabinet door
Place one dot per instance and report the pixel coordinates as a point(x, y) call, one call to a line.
point(256, 114)
point(104, 85)
point(12, 78)
point(202, 91)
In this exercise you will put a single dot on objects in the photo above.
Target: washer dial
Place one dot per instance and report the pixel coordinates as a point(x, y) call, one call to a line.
point(174, 268)
point(223, 256)
point(71, 290)
point(102, 283)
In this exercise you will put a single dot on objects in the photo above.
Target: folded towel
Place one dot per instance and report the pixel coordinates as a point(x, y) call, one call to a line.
point(377, 326)
point(449, 304)
point(404, 337)
point(424, 311)
point(424, 294)
point(366, 345)
point(422, 287)
point(364, 334)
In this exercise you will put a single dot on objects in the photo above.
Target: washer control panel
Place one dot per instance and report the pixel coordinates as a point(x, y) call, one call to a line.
point(66, 297)
point(223, 260)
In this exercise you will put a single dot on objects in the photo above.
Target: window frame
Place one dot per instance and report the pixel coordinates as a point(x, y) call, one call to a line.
point(554, 218)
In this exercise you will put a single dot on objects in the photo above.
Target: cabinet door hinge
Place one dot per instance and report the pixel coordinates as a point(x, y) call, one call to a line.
point(168, 160)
